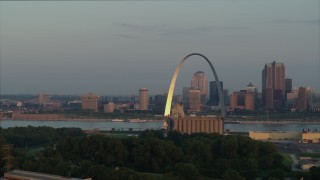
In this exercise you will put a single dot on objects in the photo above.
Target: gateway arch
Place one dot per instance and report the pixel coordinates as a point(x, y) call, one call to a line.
point(173, 82)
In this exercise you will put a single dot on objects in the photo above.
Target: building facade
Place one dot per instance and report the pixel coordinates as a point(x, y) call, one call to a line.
point(185, 98)
point(160, 103)
point(288, 85)
point(243, 100)
point(251, 88)
point(194, 100)
point(273, 86)
point(109, 107)
point(90, 101)
point(200, 81)
point(191, 125)
point(194, 124)
point(143, 99)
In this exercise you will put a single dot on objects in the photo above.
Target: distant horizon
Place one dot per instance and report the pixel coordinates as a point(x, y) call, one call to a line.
point(117, 47)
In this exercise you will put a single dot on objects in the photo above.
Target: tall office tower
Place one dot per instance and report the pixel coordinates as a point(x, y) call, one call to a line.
point(194, 100)
point(160, 103)
point(304, 100)
point(185, 98)
point(250, 88)
point(200, 81)
point(243, 100)
point(301, 102)
point(273, 85)
point(288, 85)
point(214, 94)
point(43, 98)
point(143, 96)
point(226, 97)
point(292, 99)
point(90, 101)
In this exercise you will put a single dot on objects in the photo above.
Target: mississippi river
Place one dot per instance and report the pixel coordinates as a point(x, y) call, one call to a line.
point(109, 125)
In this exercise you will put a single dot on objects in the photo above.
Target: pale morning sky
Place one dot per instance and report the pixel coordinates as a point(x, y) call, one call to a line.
point(116, 47)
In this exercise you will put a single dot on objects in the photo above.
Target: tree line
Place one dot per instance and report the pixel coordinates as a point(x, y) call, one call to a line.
point(155, 156)
point(176, 156)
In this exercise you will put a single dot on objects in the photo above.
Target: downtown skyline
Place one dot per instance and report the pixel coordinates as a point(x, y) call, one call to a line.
point(113, 48)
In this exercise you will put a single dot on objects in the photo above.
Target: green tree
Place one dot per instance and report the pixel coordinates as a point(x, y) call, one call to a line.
point(2, 162)
point(198, 150)
point(314, 173)
point(231, 174)
point(187, 170)
point(229, 147)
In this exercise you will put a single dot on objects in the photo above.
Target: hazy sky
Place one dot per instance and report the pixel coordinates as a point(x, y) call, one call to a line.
point(114, 48)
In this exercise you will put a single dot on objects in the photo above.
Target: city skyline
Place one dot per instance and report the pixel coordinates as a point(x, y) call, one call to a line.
point(113, 48)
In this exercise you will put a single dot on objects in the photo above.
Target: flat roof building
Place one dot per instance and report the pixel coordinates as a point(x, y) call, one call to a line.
point(303, 137)
point(194, 124)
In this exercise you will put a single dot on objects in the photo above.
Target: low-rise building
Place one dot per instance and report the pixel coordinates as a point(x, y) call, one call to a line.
point(310, 137)
point(303, 137)
point(275, 135)
point(194, 124)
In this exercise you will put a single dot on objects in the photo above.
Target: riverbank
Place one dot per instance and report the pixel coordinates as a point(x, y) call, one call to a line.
point(150, 120)
point(272, 122)
point(84, 120)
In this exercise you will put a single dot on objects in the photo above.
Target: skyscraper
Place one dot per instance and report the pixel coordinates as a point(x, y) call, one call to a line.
point(250, 88)
point(304, 99)
point(194, 100)
point(288, 85)
point(200, 81)
point(90, 102)
point(160, 103)
point(214, 95)
point(143, 96)
point(273, 85)
point(185, 97)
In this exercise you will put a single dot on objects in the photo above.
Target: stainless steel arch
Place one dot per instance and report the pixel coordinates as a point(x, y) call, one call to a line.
point(173, 83)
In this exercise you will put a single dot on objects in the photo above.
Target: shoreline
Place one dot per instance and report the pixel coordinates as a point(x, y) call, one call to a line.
point(151, 120)
point(82, 120)
point(272, 122)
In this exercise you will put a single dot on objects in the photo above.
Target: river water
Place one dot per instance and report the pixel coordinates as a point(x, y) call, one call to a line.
point(108, 125)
